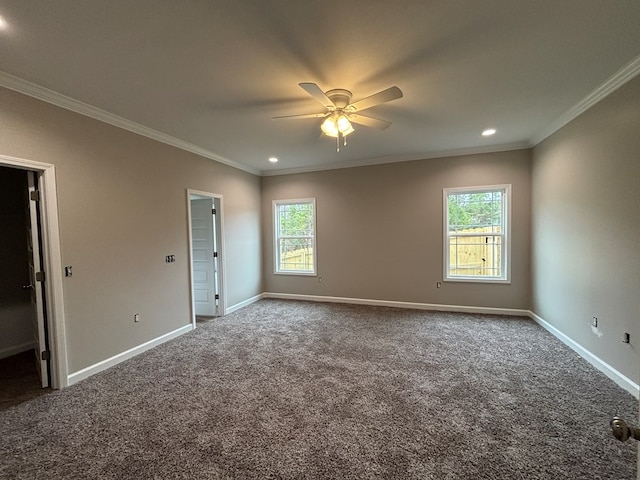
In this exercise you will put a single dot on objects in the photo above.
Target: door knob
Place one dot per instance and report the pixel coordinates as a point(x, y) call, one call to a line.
point(27, 287)
point(622, 431)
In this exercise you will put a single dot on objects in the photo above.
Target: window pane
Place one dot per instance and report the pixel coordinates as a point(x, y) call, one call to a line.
point(296, 254)
point(475, 256)
point(473, 210)
point(296, 219)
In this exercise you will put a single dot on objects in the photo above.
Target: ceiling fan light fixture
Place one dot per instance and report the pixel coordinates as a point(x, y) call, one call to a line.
point(343, 124)
point(337, 124)
point(329, 127)
point(340, 110)
point(346, 131)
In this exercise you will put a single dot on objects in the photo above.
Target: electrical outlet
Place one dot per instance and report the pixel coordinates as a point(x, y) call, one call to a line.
point(136, 317)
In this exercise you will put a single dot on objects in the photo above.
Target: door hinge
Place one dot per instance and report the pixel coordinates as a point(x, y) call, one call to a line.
point(213, 211)
point(215, 254)
point(217, 297)
point(34, 195)
point(45, 355)
point(40, 276)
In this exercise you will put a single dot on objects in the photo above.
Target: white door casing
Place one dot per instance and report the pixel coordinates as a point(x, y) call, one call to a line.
point(206, 241)
point(51, 262)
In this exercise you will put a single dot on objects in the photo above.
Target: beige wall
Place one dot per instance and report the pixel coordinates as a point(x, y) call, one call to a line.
point(379, 230)
point(122, 208)
point(586, 228)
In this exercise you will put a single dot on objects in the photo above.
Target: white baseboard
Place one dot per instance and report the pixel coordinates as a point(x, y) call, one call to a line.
point(121, 357)
point(15, 349)
point(391, 303)
point(623, 381)
point(243, 304)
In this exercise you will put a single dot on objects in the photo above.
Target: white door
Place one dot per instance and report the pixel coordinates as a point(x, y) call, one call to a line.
point(217, 242)
point(203, 257)
point(36, 276)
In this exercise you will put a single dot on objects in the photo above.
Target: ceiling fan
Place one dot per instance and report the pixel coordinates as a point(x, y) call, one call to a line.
point(341, 112)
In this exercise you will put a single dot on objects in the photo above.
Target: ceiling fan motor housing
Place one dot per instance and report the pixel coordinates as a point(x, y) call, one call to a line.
point(340, 97)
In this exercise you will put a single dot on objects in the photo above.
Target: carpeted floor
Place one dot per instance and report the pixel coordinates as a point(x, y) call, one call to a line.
point(295, 390)
point(19, 380)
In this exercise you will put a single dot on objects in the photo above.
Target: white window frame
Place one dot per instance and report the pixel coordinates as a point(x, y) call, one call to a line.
point(277, 237)
point(505, 274)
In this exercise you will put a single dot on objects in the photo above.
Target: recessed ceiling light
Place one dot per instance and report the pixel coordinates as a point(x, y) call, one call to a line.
point(273, 159)
point(488, 132)
point(3, 23)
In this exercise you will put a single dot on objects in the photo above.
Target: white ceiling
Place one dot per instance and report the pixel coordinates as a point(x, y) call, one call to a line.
point(208, 75)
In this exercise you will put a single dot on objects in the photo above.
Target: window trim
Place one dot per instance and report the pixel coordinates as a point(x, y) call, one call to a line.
point(276, 237)
point(505, 277)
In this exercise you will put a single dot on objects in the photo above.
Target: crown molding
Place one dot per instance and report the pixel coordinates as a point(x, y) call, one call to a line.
point(41, 93)
point(617, 80)
point(402, 158)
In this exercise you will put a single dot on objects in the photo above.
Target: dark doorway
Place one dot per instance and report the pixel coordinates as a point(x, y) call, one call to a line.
point(18, 371)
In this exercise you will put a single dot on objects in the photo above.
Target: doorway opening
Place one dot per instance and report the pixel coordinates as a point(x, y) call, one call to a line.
point(31, 303)
point(24, 365)
point(206, 255)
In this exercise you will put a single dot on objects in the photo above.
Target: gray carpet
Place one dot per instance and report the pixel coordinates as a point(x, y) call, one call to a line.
point(293, 390)
point(19, 380)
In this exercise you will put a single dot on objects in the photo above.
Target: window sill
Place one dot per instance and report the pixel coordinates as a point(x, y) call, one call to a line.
point(302, 274)
point(477, 280)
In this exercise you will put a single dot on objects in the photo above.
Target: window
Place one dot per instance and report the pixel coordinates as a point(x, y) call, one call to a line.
point(476, 233)
point(295, 239)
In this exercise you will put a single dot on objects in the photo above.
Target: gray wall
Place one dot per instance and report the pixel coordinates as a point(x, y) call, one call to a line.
point(122, 208)
point(586, 228)
point(379, 230)
point(16, 312)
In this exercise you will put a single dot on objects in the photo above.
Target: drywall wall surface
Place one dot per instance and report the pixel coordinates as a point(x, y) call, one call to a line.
point(586, 229)
point(123, 208)
point(380, 230)
point(16, 311)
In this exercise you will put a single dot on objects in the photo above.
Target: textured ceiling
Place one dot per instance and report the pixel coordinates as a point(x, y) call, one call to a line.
point(211, 74)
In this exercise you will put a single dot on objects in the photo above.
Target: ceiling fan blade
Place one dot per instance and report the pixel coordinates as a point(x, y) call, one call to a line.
point(369, 121)
point(316, 92)
point(391, 93)
point(304, 115)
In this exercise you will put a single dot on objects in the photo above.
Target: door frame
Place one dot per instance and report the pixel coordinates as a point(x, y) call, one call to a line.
point(222, 305)
point(52, 263)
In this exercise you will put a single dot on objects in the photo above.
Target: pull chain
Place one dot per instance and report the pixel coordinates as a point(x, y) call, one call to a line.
point(344, 142)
